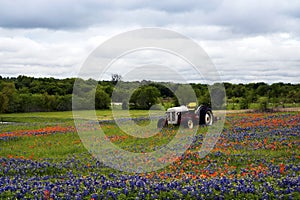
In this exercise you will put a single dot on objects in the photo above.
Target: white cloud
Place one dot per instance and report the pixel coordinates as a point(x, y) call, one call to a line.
point(247, 40)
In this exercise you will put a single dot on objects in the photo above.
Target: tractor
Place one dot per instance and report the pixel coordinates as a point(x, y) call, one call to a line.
point(181, 115)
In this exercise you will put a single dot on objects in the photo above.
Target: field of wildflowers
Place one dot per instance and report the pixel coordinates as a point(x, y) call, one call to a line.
point(256, 157)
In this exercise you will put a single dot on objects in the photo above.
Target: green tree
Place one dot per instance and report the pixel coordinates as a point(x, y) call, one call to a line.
point(115, 78)
point(25, 102)
point(37, 103)
point(145, 97)
point(3, 102)
point(185, 94)
point(262, 90)
point(8, 97)
point(263, 103)
point(120, 95)
point(102, 99)
point(204, 100)
point(244, 104)
point(233, 102)
point(64, 103)
point(50, 102)
point(217, 94)
point(251, 96)
point(163, 89)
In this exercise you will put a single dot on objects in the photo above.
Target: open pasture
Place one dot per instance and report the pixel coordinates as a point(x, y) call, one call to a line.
point(256, 157)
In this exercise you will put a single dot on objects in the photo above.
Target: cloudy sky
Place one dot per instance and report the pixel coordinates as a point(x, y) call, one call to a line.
point(248, 41)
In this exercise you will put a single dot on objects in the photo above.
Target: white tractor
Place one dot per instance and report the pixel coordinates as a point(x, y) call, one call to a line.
point(188, 118)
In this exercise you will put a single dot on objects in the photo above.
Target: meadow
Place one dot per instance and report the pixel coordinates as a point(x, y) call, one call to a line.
point(256, 157)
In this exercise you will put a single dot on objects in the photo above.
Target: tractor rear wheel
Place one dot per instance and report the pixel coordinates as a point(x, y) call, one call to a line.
point(206, 116)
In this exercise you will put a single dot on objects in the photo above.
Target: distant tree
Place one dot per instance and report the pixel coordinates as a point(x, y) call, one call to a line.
point(8, 97)
point(238, 90)
point(243, 103)
point(218, 96)
point(102, 99)
point(82, 88)
point(50, 102)
point(263, 103)
point(291, 96)
point(262, 89)
point(297, 96)
point(234, 102)
point(163, 89)
point(23, 81)
point(229, 90)
point(251, 96)
point(185, 94)
point(25, 102)
point(109, 90)
point(115, 78)
point(64, 103)
point(25, 94)
point(37, 103)
point(83, 103)
point(145, 97)
point(202, 94)
point(3, 102)
point(204, 99)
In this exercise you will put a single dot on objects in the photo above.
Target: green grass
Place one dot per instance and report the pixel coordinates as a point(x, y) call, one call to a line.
point(60, 146)
point(68, 115)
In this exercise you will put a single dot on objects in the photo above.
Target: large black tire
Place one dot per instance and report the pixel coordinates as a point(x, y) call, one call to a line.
point(206, 116)
point(162, 123)
point(188, 123)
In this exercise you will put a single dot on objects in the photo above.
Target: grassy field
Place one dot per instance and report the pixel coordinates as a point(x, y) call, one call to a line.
point(256, 157)
point(68, 115)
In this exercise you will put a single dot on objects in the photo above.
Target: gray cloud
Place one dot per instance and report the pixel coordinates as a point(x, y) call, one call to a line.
point(239, 16)
point(247, 40)
point(51, 14)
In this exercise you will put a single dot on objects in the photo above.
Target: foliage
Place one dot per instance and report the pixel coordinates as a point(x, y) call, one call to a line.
point(28, 94)
point(115, 78)
point(243, 103)
point(263, 102)
point(185, 94)
point(145, 97)
point(102, 100)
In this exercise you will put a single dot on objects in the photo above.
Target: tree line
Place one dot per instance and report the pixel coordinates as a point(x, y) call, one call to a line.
point(29, 94)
